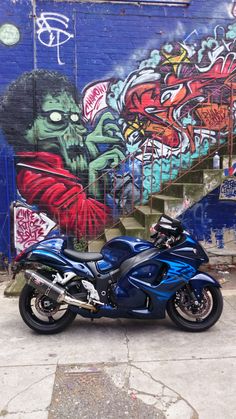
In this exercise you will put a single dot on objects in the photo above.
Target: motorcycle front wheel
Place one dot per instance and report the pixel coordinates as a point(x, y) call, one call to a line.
point(42, 314)
point(188, 317)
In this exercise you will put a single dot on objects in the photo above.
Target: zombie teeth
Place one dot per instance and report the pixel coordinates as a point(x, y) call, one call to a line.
point(73, 165)
point(71, 142)
point(76, 163)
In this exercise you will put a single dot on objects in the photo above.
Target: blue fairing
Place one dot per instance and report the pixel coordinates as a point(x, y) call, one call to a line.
point(50, 252)
point(200, 280)
point(188, 252)
point(160, 286)
point(119, 249)
point(55, 244)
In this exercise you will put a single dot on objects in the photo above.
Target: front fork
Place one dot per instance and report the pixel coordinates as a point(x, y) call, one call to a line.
point(193, 297)
point(196, 285)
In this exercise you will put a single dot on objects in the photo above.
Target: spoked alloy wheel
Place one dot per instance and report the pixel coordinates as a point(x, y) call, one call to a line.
point(42, 314)
point(189, 317)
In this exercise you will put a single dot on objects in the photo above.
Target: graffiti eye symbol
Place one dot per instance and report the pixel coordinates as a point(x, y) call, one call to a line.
point(151, 109)
point(55, 116)
point(74, 117)
point(165, 97)
point(171, 94)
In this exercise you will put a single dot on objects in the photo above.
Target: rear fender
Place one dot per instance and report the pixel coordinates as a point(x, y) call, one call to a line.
point(201, 280)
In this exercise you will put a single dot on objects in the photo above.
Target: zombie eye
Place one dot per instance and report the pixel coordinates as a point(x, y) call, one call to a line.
point(74, 117)
point(166, 96)
point(151, 109)
point(55, 117)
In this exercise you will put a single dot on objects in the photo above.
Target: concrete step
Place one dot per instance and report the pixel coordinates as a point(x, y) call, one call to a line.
point(131, 227)
point(96, 245)
point(192, 191)
point(189, 189)
point(206, 177)
point(145, 215)
point(112, 232)
point(169, 205)
point(220, 256)
point(14, 287)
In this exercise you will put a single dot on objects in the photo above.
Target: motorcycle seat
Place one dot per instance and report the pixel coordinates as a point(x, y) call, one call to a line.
point(82, 256)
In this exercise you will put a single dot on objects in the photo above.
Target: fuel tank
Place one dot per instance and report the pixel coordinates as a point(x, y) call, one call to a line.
point(119, 249)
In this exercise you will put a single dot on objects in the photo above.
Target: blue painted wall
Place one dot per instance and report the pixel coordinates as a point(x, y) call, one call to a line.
point(210, 218)
point(103, 41)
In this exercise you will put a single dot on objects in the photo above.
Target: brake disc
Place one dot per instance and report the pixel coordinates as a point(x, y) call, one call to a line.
point(45, 306)
point(190, 310)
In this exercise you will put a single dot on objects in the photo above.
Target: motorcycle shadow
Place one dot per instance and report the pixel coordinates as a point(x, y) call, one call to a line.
point(130, 325)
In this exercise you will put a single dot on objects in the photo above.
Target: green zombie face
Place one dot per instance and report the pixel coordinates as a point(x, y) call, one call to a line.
point(58, 129)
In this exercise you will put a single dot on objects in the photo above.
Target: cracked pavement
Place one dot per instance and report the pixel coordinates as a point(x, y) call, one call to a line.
point(117, 368)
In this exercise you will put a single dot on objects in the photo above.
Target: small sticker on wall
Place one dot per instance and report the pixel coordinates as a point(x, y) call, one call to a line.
point(228, 189)
point(9, 34)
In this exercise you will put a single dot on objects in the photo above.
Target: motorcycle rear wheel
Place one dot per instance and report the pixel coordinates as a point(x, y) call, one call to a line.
point(192, 319)
point(42, 314)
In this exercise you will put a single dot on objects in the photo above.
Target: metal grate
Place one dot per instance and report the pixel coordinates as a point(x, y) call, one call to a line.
point(156, 2)
point(155, 175)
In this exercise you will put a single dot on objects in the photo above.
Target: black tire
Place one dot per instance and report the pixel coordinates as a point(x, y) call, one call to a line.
point(29, 306)
point(196, 323)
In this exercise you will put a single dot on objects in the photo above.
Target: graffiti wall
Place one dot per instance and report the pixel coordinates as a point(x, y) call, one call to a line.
point(97, 116)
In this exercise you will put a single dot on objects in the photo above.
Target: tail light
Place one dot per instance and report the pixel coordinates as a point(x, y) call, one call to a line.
point(20, 256)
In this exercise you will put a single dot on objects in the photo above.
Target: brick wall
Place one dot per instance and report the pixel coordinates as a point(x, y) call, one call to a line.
point(84, 84)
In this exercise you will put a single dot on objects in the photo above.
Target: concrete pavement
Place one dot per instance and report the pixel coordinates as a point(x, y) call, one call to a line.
point(117, 368)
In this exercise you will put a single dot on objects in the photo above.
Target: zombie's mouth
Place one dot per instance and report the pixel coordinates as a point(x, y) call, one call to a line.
point(77, 165)
point(73, 151)
point(72, 146)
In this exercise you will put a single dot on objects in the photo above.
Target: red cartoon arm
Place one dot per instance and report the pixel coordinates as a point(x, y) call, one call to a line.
point(64, 201)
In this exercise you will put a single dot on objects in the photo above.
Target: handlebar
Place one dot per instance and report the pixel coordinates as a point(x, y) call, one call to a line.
point(160, 240)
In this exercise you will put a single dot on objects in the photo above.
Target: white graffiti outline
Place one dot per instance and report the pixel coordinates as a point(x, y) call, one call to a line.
point(194, 32)
point(55, 33)
point(233, 11)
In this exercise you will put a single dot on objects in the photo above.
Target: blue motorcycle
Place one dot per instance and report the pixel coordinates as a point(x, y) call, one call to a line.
point(130, 278)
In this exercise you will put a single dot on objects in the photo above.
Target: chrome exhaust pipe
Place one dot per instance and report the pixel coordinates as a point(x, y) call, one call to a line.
point(54, 291)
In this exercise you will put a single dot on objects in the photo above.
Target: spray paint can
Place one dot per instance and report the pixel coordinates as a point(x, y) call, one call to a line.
point(216, 161)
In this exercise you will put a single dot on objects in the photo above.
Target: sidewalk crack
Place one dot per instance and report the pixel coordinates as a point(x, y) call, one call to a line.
point(5, 411)
point(162, 395)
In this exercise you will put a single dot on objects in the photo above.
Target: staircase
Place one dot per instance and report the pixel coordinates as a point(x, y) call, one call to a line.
point(175, 182)
point(173, 200)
